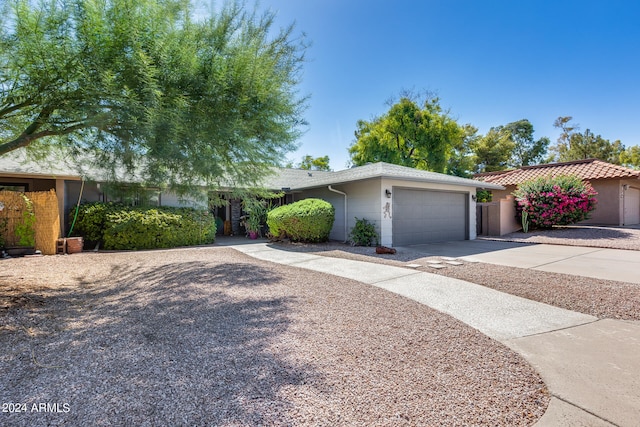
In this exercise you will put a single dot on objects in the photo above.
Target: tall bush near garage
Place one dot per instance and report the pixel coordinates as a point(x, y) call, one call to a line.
point(309, 220)
point(549, 201)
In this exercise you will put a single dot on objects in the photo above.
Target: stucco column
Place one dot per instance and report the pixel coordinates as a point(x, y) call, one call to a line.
point(386, 214)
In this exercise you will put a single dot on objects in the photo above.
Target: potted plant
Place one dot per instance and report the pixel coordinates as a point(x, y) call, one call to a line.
point(255, 211)
point(25, 231)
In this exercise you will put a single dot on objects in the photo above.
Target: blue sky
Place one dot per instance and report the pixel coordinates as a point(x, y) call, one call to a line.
point(490, 62)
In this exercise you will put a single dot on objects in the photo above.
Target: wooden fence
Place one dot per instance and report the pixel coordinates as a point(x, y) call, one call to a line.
point(47, 224)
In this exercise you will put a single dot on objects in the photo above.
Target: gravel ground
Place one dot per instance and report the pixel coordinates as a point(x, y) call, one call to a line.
point(209, 336)
point(596, 297)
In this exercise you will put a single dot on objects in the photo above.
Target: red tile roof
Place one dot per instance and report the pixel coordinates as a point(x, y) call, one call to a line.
point(589, 169)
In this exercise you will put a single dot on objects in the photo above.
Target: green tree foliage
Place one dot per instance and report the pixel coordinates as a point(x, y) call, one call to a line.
point(315, 163)
point(508, 146)
point(493, 151)
point(574, 145)
point(631, 157)
point(139, 83)
point(526, 151)
point(461, 160)
point(408, 135)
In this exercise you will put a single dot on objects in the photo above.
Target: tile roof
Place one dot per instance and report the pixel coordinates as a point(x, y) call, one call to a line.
point(589, 169)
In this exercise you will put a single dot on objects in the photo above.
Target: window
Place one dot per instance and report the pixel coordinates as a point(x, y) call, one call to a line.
point(5, 186)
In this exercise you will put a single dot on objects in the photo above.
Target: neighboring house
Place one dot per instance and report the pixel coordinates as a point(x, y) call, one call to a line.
point(407, 206)
point(618, 187)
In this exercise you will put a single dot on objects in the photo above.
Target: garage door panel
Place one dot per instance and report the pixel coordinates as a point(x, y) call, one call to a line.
point(424, 216)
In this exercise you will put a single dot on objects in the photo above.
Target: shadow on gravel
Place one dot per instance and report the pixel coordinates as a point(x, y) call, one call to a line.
point(181, 344)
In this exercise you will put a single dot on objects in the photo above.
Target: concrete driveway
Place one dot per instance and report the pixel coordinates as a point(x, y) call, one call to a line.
point(609, 264)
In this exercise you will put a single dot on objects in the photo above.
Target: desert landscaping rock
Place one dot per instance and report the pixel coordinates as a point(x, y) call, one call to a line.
point(209, 336)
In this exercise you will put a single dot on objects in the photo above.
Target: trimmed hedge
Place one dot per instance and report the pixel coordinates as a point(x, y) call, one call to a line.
point(550, 201)
point(121, 227)
point(309, 220)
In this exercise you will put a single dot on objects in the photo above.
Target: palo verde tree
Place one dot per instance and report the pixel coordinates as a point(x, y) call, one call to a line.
point(410, 135)
point(141, 84)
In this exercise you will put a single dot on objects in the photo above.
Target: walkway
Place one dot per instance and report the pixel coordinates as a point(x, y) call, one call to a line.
point(590, 366)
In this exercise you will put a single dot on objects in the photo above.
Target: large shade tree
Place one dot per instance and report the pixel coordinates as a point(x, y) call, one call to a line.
point(141, 84)
point(410, 135)
point(575, 145)
point(508, 146)
point(315, 163)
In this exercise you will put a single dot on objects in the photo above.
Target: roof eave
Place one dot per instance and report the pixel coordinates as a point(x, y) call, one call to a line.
point(479, 184)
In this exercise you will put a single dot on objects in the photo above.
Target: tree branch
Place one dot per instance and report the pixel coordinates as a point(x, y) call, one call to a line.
point(25, 139)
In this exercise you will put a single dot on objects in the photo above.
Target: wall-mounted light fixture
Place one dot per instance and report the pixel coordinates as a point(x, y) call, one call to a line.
point(625, 187)
point(388, 193)
point(473, 197)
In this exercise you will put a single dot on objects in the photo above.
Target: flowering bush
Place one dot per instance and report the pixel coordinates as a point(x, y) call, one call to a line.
point(550, 201)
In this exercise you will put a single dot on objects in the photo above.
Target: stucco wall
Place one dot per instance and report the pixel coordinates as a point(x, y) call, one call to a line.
point(361, 203)
point(609, 207)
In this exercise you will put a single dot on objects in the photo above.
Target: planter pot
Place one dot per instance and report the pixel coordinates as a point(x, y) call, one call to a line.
point(16, 251)
point(253, 235)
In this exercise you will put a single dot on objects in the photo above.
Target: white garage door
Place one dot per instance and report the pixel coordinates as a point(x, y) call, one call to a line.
point(632, 206)
point(422, 216)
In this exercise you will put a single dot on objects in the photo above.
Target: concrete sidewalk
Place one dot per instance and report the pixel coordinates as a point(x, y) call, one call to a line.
point(590, 366)
point(608, 264)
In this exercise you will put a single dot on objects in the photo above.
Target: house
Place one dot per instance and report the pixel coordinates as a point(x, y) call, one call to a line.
point(407, 206)
point(618, 187)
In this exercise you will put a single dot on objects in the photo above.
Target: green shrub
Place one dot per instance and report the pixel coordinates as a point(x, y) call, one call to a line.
point(309, 220)
point(120, 227)
point(25, 230)
point(92, 219)
point(548, 201)
point(484, 196)
point(363, 234)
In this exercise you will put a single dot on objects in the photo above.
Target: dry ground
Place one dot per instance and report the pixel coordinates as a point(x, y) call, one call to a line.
point(209, 336)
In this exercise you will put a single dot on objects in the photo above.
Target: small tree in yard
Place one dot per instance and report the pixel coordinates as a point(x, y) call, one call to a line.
point(549, 201)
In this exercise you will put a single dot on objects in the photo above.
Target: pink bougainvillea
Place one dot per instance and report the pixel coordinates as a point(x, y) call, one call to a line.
point(550, 201)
